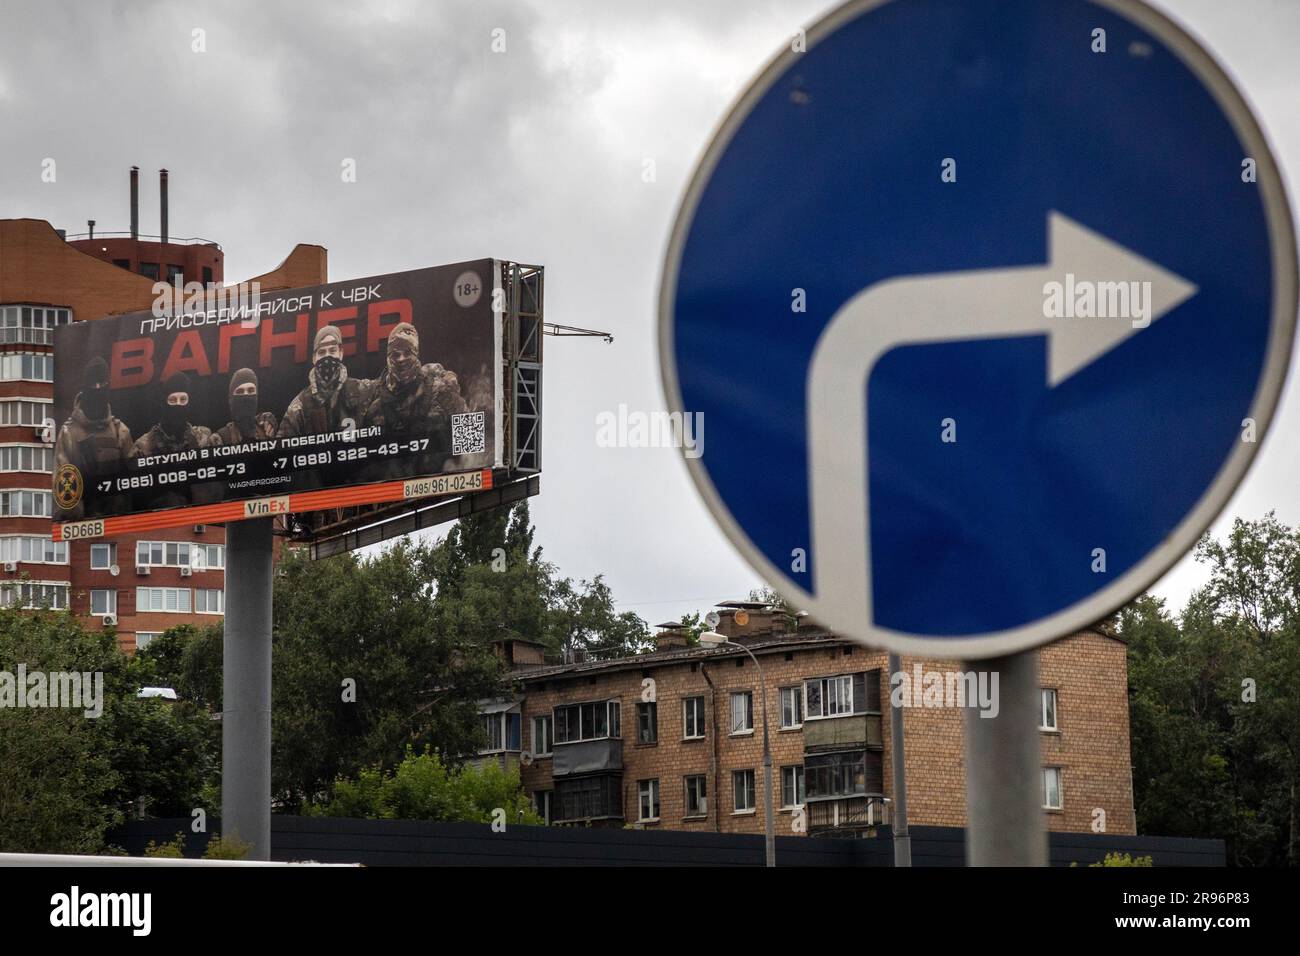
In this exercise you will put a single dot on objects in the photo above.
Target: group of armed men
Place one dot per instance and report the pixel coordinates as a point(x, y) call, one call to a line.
point(408, 401)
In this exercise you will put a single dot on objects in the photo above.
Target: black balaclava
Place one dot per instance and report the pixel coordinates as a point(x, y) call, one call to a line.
point(175, 417)
point(243, 408)
point(94, 389)
point(328, 368)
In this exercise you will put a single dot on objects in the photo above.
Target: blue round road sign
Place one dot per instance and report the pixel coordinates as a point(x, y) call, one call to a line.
point(986, 308)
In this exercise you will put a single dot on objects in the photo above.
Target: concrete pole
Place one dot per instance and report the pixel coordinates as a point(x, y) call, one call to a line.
point(902, 838)
point(246, 698)
point(1004, 770)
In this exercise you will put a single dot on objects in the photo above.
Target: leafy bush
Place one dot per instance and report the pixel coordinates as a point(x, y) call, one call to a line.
point(424, 788)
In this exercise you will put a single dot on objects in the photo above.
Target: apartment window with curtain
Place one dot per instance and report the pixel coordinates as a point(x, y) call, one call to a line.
point(742, 784)
point(647, 719)
point(697, 792)
point(742, 712)
point(791, 707)
point(1047, 712)
point(648, 792)
point(693, 718)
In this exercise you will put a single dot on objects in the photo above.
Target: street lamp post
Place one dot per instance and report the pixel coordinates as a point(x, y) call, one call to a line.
point(715, 639)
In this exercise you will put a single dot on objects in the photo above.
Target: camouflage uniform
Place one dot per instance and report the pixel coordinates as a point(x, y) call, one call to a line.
point(229, 433)
point(421, 409)
point(158, 442)
point(96, 447)
point(315, 412)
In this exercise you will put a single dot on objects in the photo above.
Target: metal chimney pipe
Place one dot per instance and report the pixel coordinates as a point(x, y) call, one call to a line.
point(162, 199)
point(91, 224)
point(135, 202)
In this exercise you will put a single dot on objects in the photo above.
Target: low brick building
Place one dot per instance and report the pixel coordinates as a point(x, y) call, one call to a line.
point(673, 738)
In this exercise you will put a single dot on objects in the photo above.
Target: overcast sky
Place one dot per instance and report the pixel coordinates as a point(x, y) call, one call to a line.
point(535, 154)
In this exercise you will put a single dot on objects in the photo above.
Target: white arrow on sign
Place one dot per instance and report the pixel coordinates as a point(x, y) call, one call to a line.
point(950, 307)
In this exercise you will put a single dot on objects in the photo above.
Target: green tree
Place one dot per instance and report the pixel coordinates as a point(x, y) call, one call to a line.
point(362, 669)
point(1215, 699)
point(423, 787)
point(65, 778)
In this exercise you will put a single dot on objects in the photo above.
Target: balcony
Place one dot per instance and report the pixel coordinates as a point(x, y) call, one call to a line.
point(841, 733)
point(844, 816)
point(21, 336)
point(586, 756)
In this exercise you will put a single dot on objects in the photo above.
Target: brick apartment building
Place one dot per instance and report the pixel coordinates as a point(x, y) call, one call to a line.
point(673, 738)
point(139, 584)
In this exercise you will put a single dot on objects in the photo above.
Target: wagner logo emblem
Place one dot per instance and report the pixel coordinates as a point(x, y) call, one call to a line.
point(68, 486)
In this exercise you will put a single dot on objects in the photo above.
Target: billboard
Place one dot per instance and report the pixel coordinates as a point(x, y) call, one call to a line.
point(370, 390)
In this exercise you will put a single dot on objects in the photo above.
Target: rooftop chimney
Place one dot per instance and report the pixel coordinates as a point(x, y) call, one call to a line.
point(135, 202)
point(162, 200)
point(90, 223)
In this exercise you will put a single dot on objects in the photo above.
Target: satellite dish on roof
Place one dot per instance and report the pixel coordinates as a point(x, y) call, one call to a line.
point(712, 619)
point(742, 617)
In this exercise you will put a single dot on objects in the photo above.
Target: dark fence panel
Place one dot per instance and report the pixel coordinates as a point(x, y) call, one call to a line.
point(420, 843)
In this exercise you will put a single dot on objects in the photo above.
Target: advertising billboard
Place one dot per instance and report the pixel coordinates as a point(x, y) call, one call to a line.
point(207, 410)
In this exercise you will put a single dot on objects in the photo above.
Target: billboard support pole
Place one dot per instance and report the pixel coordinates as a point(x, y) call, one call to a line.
point(246, 696)
point(1004, 825)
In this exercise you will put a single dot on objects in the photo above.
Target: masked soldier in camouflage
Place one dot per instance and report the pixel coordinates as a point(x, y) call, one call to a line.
point(410, 401)
point(172, 434)
point(247, 423)
point(331, 401)
point(92, 442)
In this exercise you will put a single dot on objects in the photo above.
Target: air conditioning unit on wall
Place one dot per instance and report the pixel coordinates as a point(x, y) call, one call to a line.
point(11, 565)
point(186, 572)
point(110, 620)
point(142, 569)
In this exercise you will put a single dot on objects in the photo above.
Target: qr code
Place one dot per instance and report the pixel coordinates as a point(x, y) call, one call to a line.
point(468, 433)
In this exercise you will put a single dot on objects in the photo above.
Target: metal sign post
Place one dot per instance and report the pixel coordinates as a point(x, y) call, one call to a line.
point(246, 695)
point(1004, 811)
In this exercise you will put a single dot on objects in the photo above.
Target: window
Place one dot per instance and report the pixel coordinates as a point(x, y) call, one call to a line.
point(835, 775)
point(149, 270)
point(142, 638)
point(1051, 788)
point(21, 411)
point(31, 596)
point(209, 601)
point(502, 731)
point(841, 695)
point(742, 712)
point(792, 787)
point(208, 557)
point(693, 718)
point(33, 549)
point(541, 736)
point(27, 367)
point(102, 556)
point(742, 784)
point(1047, 712)
point(647, 722)
point(22, 503)
point(590, 798)
point(791, 707)
point(697, 793)
point(176, 600)
point(164, 554)
point(594, 721)
point(493, 731)
point(648, 791)
point(31, 325)
point(32, 458)
point(542, 804)
point(175, 274)
point(103, 601)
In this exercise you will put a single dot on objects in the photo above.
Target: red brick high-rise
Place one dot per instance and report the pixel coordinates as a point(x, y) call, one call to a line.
point(47, 280)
